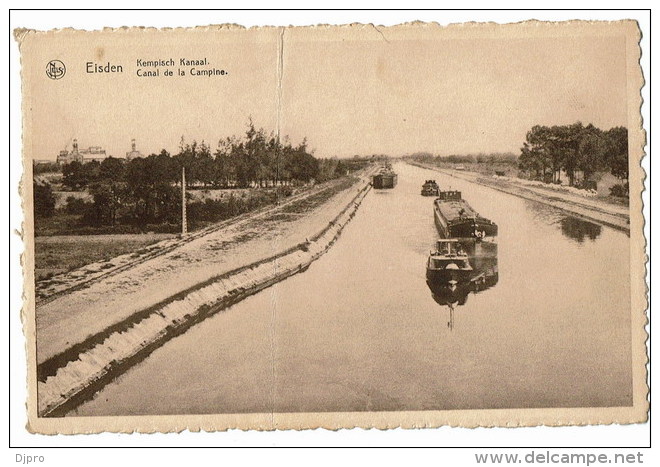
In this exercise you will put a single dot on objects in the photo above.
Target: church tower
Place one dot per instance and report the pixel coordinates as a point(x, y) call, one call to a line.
point(75, 154)
point(133, 153)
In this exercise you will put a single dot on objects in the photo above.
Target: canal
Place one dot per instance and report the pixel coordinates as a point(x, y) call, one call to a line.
point(362, 331)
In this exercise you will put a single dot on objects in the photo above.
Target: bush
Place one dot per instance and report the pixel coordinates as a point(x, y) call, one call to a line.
point(49, 167)
point(215, 210)
point(284, 191)
point(620, 190)
point(76, 205)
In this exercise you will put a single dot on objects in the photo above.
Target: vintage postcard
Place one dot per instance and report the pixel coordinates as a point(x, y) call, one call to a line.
point(333, 226)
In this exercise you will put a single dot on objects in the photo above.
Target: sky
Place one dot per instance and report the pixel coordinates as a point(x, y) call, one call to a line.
point(452, 96)
point(347, 90)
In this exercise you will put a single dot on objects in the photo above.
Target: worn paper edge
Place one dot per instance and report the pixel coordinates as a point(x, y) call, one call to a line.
point(638, 413)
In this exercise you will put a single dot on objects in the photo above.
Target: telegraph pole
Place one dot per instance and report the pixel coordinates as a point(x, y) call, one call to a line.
point(277, 171)
point(184, 221)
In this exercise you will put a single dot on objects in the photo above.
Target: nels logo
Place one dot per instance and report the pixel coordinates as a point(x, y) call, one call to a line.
point(55, 69)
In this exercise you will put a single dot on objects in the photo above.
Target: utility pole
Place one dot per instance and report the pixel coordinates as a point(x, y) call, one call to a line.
point(277, 172)
point(184, 221)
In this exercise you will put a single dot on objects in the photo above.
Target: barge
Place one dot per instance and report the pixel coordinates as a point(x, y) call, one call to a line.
point(430, 188)
point(386, 178)
point(455, 218)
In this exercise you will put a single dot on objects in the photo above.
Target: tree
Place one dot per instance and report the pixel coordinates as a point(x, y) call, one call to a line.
point(252, 156)
point(139, 186)
point(149, 185)
point(592, 150)
point(77, 175)
point(539, 152)
point(202, 169)
point(302, 166)
point(107, 201)
point(112, 168)
point(223, 168)
point(73, 176)
point(165, 168)
point(91, 172)
point(617, 151)
point(44, 200)
point(566, 147)
point(530, 160)
point(340, 169)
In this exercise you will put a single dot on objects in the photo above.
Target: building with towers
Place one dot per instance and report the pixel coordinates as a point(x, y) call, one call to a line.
point(93, 153)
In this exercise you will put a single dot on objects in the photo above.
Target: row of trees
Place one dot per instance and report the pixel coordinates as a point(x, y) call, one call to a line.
point(146, 190)
point(257, 159)
point(574, 148)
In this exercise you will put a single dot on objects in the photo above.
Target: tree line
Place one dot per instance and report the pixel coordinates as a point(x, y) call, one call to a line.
point(481, 158)
point(257, 159)
point(549, 150)
point(146, 190)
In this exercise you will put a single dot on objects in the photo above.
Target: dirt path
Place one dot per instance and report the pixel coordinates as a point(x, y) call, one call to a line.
point(608, 214)
point(71, 318)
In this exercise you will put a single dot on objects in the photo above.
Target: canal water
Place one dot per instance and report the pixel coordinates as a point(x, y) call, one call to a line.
point(362, 331)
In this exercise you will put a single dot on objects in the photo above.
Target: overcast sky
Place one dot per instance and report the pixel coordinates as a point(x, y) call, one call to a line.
point(348, 93)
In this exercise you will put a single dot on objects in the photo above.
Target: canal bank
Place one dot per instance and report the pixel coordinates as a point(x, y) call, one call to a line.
point(68, 378)
point(604, 213)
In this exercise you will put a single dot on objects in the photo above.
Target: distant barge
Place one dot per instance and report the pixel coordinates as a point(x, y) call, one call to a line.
point(455, 218)
point(384, 179)
point(430, 188)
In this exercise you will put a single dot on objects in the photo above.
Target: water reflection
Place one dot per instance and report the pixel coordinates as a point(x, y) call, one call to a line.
point(578, 229)
point(571, 227)
point(452, 290)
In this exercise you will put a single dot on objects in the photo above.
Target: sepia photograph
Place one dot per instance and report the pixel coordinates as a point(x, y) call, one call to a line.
point(334, 226)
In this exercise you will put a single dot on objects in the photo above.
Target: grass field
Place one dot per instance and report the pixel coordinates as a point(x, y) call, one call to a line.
point(63, 253)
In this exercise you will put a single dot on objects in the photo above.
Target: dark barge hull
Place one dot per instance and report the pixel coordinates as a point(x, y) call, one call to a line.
point(429, 192)
point(384, 181)
point(447, 275)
